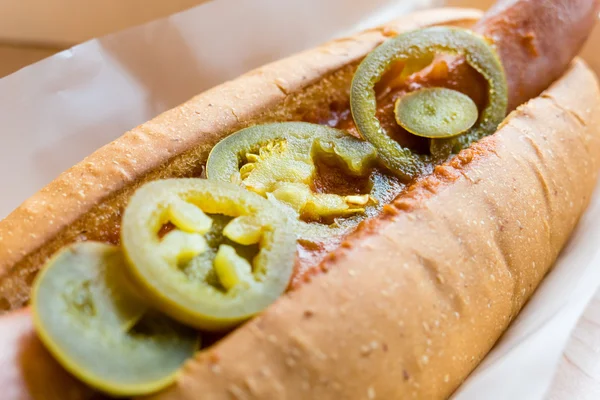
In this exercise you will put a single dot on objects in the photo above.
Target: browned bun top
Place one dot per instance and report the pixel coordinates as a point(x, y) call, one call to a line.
point(85, 202)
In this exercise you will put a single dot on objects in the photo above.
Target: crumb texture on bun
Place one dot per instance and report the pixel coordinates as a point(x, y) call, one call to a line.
point(415, 299)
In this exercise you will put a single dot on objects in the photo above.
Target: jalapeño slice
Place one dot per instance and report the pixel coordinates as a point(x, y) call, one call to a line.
point(208, 272)
point(86, 314)
point(410, 47)
point(436, 113)
point(279, 162)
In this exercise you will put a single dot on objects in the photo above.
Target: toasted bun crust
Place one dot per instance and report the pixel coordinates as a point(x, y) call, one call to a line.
point(86, 201)
point(415, 299)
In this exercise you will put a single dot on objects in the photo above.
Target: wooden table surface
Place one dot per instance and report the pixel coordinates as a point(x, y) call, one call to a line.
point(13, 57)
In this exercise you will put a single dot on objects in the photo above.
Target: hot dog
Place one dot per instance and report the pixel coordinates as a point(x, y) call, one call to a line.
point(408, 303)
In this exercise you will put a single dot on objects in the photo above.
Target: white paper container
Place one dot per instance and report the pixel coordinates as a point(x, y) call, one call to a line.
point(59, 110)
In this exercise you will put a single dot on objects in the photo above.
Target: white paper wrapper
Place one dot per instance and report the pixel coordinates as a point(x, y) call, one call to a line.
point(59, 110)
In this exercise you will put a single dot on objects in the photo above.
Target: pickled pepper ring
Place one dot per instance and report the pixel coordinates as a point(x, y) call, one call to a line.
point(88, 316)
point(181, 275)
point(416, 45)
point(277, 161)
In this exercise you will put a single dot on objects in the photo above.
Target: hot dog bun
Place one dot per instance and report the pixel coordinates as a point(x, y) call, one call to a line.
point(421, 293)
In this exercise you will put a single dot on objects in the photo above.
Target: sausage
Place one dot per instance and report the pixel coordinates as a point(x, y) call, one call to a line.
point(536, 40)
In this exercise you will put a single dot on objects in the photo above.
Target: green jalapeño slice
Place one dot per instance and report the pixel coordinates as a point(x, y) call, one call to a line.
point(408, 49)
point(279, 162)
point(87, 315)
point(207, 253)
point(436, 113)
